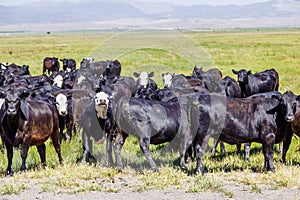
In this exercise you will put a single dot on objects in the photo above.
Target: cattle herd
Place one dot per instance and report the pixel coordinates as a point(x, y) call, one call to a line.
point(100, 103)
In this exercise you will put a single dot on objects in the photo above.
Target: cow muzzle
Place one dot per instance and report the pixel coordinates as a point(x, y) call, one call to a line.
point(290, 118)
point(11, 112)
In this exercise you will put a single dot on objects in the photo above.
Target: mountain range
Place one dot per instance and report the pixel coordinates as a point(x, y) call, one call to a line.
point(89, 11)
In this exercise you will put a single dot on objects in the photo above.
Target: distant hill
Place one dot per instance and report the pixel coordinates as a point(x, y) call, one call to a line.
point(86, 11)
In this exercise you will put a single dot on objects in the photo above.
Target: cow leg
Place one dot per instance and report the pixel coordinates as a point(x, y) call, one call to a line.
point(238, 149)
point(24, 151)
point(268, 150)
point(280, 150)
point(213, 151)
point(286, 145)
point(247, 151)
point(185, 153)
point(109, 149)
point(10, 153)
point(222, 147)
point(118, 144)
point(55, 141)
point(87, 147)
point(69, 130)
point(200, 149)
point(42, 152)
point(145, 147)
point(61, 129)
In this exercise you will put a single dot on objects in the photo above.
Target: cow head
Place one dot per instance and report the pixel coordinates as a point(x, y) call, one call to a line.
point(101, 104)
point(143, 77)
point(197, 71)
point(65, 63)
point(14, 105)
point(58, 81)
point(288, 105)
point(167, 79)
point(242, 75)
point(61, 103)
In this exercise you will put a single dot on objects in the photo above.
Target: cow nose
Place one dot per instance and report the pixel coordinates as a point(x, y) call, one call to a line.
point(290, 118)
point(11, 110)
point(63, 112)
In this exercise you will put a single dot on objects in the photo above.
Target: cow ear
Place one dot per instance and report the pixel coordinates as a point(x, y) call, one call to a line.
point(136, 74)
point(3, 110)
point(234, 71)
point(249, 72)
point(25, 94)
point(24, 110)
point(151, 74)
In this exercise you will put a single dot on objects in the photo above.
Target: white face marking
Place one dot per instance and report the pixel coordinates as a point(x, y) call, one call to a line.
point(58, 81)
point(1, 102)
point(144, 79)
point(167, 79)
point(62, 104)
point(80, 79)
point(68, 70)
point(101, 104)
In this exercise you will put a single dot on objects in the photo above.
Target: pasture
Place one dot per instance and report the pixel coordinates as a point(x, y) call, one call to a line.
point(255, 50)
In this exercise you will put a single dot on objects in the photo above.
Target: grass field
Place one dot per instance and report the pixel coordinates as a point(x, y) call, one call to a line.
point(158, 52)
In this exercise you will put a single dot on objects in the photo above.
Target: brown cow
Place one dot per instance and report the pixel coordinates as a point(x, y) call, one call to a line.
point(28, 123)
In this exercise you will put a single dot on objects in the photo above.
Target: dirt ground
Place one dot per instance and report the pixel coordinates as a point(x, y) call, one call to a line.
point(238, 191)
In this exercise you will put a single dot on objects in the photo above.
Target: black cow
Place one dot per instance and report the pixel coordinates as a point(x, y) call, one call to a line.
point(153, 122)
point(113, 69)
point(236, 121)
point(211, 78)
point(28, 123)
point(250, 84)
point(144, 84)
point(229, 88)
point(69, 65)
point(50, 64)
point(14, 69)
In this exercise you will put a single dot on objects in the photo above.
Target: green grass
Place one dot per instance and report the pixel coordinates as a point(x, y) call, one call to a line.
point(177, 52)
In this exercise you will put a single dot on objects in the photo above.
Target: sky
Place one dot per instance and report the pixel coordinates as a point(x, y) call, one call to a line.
point(182, 2)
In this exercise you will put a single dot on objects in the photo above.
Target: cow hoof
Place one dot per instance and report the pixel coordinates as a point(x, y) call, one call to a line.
point(155, 169)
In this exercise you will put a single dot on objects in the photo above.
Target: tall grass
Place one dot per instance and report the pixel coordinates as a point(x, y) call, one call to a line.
point(232, 50)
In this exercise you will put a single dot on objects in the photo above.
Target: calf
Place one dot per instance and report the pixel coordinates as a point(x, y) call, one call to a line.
point(28, 123)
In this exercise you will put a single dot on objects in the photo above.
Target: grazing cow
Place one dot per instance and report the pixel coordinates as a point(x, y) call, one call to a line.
point(181, 81)
point(250, 84)
point(236, 121)
point(69, 65)
point(50, 64)
point(28, 123)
